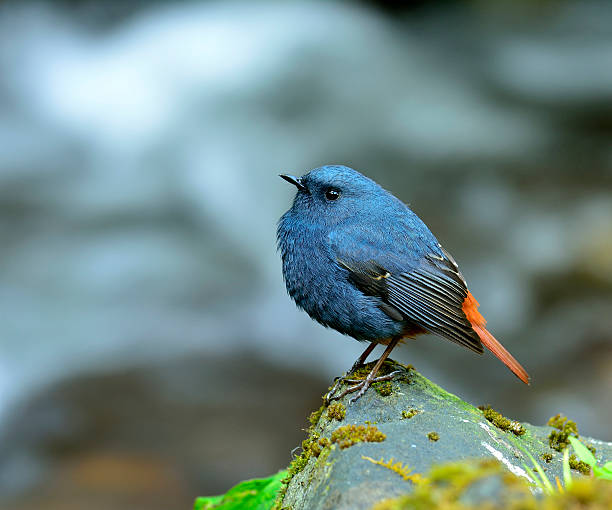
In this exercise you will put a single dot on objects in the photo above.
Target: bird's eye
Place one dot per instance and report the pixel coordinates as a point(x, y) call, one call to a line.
point(332, 194)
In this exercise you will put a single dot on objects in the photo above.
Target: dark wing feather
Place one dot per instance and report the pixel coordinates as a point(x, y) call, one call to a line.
point(430, 296)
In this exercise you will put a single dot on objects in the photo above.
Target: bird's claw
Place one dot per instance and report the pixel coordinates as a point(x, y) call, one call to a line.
point(360, 385)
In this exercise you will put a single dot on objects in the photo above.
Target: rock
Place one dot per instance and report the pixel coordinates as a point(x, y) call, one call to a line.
point(421, 425)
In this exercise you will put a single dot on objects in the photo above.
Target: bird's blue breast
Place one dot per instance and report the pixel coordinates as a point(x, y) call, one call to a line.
point(320, 286)
point(366, 224)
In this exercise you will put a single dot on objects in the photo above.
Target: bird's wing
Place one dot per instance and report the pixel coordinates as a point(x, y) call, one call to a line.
point(429, 291)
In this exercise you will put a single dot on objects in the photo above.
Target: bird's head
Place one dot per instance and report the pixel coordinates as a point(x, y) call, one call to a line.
point(332, 193)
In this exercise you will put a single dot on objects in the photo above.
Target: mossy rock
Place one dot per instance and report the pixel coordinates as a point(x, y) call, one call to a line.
point(418, 444)
point(486, 484)
point(367, 472)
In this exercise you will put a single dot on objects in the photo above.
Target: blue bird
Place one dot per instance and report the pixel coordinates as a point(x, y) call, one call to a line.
point(358, 260)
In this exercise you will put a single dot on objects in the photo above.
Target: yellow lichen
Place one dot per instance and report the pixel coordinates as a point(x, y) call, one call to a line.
point(406, 415)
point(350, 435)
point(397, 467)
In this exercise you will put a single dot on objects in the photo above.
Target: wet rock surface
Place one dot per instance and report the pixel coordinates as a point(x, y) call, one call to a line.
point(424, 425)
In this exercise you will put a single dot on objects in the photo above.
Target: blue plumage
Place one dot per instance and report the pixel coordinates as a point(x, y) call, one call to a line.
point(358, 260)
point(366, 223)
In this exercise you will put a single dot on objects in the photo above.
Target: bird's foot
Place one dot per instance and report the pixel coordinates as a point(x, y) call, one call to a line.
point(340, 379)
point(359, 362)
point(359, 385)
point(329, 396)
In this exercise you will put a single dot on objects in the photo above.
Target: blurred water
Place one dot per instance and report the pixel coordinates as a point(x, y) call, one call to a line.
point(139, 197)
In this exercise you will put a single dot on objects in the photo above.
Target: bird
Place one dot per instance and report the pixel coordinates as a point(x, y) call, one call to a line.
point(358, 260)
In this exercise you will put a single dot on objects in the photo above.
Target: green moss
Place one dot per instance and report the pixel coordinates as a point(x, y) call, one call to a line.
point(558, 440)
point(383, 388)
point(445, 486)
point(316, 447)
point(579, 465)
point(565, 427)
point(406, 415)
point(336, 411)
point(562, 423)
point(501, 422)
point(298, 464)
point(440, 394)
point(405, 377)
point(433, 436)
point(316, 415)
point(295, 467)
point(308, 443)
point(547, 457)
point(363, 371)
point(324, 442)
point(350, 435)
point(321, 468)
point(312, 446)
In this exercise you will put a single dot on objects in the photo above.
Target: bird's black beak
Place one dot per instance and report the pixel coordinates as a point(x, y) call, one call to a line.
point(296, 181)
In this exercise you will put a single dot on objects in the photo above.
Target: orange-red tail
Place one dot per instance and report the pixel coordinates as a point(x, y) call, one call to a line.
point(470, 308)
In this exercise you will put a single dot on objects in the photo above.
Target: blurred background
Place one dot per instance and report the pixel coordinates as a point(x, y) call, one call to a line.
point(148, 351)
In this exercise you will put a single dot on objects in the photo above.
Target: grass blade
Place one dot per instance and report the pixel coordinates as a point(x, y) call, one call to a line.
point(582, 452)
point(567, 475)
point(546, 485)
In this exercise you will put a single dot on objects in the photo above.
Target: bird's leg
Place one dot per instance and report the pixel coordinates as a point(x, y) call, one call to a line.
point(360, 361)
point(364, 356)
point(363, 385)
